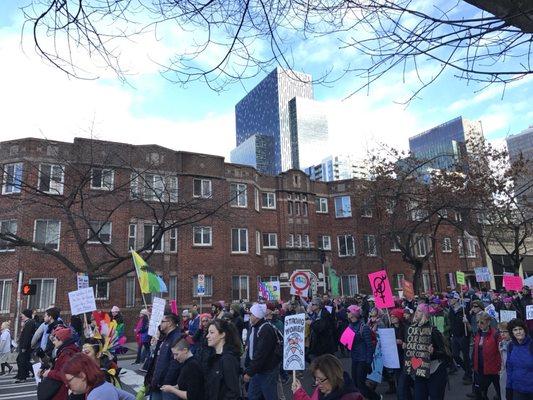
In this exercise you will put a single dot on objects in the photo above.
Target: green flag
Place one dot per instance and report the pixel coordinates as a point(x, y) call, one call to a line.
point(333, 282)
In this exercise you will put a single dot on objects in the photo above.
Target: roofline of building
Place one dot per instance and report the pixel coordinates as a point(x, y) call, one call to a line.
point(436, 127)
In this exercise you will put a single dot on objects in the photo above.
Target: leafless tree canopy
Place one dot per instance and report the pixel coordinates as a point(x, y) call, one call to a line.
point(225, 41)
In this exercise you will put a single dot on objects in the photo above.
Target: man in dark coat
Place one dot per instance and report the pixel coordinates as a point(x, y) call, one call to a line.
point(322, 330)
point(24, 346)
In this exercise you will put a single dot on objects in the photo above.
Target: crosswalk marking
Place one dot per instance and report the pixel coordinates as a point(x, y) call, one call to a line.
point(18, 395)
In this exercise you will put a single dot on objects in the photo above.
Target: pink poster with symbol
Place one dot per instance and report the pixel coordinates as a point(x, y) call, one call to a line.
point(381, 290)
point(511, 282)
point(347, 337)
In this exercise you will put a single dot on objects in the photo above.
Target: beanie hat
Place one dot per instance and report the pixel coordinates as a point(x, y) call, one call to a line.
point(62, 333)
point(424, 308)
point(115, 309)
point(398, 313)
point(258, 310)
point(27, 312)
point(353, 309)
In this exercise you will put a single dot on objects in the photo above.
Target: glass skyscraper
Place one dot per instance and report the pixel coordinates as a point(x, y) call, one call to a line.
point(265, 111)
point(521, 145)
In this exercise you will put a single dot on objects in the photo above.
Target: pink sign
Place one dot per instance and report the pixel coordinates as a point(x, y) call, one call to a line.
point(347, 337)
point(173, 307)
point(380, 284)
point(512, 282)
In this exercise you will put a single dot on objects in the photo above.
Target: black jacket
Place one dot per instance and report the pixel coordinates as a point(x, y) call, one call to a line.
point(163, 359)
point(26, 335)
point(222, 376)
point(322, 339)
point(191, 379)
point(264, 356)
point(457, 326)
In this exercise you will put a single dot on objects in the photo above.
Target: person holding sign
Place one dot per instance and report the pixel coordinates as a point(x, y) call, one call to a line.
point(426, 359)
point(519, 362)
point(460, 336)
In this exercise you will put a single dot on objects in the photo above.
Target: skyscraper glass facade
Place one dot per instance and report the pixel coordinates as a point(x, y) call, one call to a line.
point(521, 145)
point(255, 151)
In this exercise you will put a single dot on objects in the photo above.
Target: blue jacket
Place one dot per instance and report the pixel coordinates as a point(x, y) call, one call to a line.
point(164, 358)
point(520, 366)
point(362, 347)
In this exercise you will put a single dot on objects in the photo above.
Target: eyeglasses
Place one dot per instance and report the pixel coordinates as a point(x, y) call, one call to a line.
point(320, 380)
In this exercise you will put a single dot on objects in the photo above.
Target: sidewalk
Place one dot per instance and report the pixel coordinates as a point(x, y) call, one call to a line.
point(132, 352)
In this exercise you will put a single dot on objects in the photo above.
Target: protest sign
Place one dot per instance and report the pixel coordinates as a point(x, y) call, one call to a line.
point(529, 282)
point(36, 367)
point(482, 274)
point(82, 301)
point(174, 307)
point(408, 290)
point(269, 291)
point(507, 315)
point(294, 343)
point(417, 355)
point(511, 282)
point(158, 310)
point(460, 277)
point(389, 349)
point(380, 284)
point(491, 310)
point(82, 280)
point(300, 282)
point(377, 365)
point(347, 337)
point(529, 312)
point(329, 308)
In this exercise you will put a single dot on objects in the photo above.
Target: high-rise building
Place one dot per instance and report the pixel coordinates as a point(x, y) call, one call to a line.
point(338, 167)
point(256, 151)
point(521, 145)
point(267, 111)
point(445, 145)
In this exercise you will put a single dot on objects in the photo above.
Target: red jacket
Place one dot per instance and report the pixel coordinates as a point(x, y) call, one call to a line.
point(64, 353)
point(492, 360)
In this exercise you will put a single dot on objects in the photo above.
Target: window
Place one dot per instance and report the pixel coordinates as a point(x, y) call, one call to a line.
point(47, 233)
point(416, 212)
point(399, 281)
point(5, 295)
point(152, 238)
point(101, 290)
point(443, 213)
point(173, 241)
point(258, 243)
point(12, 178)
point(370, 246)
point(238, 195)
point(446, 245)
point(346, 245)
point(130, 291)
point(290, 240)
point(45, 294)
point(208, 286)
point(426, 282)
point(102, 178)
point(7, 226)
point(395, 244)
point(366, 209)
point(270, 240)
point(290, 206)
point(321, 205)
point(256, 199)
point(305, 209)
point(269, 200)
point(132, 236)
point(202, 235)
point(99, 232)
point(420, 245)
point(343, 207)
point(450, 280)
point(458, 216)
point(470, 244)
point(154, 187)
point(296, 208)
point(239, 240)
point(390, 205)
point(202, 188)
point(350, 285)
point(51, 178)
point(173, 287)
point(298, 240)
point(324, 242)
point(240, 288)
point(305, 241)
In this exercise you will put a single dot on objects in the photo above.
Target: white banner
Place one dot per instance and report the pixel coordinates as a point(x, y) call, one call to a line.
point(294, 343)
point(389, 349)
point(482, 274)
point(158, 310)
point(507, 315)
point(529, 312)
point(82, 301)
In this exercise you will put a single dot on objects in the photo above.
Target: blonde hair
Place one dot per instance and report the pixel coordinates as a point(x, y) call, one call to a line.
point(5, 325)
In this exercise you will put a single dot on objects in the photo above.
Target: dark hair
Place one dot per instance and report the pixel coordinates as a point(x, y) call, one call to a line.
point(53, 312)
point(173, 318)
point(331, 367)
point(515, 322)
point(96, 344)
point(232, 335)
point(83, 363)
point(181, 344)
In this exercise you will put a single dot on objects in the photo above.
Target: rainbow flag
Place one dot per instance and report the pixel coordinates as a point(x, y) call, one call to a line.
point(149, 281)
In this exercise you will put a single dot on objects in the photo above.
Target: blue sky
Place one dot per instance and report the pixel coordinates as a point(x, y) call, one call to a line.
point(40, 101)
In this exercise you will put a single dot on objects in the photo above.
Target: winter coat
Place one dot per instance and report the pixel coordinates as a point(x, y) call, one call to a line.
point(64, 353)
point(164, 357)
point(26, 335)
point(322, 334)
point(520, 366)
point(492, 361)
point(362, 347)
point(191, 379)
point(347, 392)
point(222, 376)
point(141, 330)
point(264, 357)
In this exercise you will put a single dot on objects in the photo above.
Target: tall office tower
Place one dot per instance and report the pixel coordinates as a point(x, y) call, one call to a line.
point(338, 167)
point(521, 145)
point(265, 111)
point(446, 144)
point(255, 151)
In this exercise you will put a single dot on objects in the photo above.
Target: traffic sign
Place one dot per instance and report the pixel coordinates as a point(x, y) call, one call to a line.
point(29, 289)
point(200, 287)
point(300, 283)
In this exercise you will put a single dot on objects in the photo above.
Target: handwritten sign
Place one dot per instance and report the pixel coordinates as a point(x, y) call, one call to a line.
point(511, 282)
point(460, 277)
point(529, 312)
point(380, 284)
point(491, 310)
point(389, 348)
point(294, 342)
point(82, 301)
point(377, 365)
point(482, 274)
point(507, 315)
point(417, 355)
point(82, 280)
point(347, 337)
point(36, 367)
point(158, 310)
point(269, 291)
point(408, 290)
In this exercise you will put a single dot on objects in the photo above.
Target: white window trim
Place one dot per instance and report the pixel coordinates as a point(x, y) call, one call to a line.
point(8, 220)
point(247, 287)
point(4, 180)
point(323, 202)
point(61, 184)
point(448, 247)
point(103, 187)
point(258, 239)
point(96, 291)
point(202, 235)
point(329, 242)
point(35, 233)
point(170, 238)
point(366, 238)
point(339, 246)
point(203, 195)
point(257, 200)
point(54, 294)
point(270, 234)
point(134, 237)
point(399, 281)
point(306, 244)
point(337, 216)
point(268, 207)
point(240, 194)
point(132, 278)
point(239, 244)
point(6, 307)
point(154, 228)
point(356, 285)
point(96, 241)
point(290, 240)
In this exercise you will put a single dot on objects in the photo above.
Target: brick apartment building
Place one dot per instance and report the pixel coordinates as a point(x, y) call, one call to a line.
point(265, 227)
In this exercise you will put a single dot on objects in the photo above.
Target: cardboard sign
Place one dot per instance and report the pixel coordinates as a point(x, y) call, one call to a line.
point(82, 281)
point(347, 337)
point(82, 301)
point(512, 282)
point(377, 365)
point(389, 349)
point(529, 312)
point(158, 310)
point(36, 367)
point(294, 343)
point(483, 274)
point(460, 276)
point(300, 282)
point(417, 356)
point(269, 291)
point(507, 315)
point(491, 310)
point(408, 290)
point(380, 284)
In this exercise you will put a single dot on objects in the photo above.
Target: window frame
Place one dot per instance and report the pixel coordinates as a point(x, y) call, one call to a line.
point(269, 235)
point(97, 239)
point(16, 188)
point(446, 245)
point(345, 238)
point(239, 247)
point(321, 242)
point(345, 213)
point(130, 236)
point(42, 307)
point(204, 194)
point(238, 195)
point(103, 186)
point(97, 284)
point(132, 291)
point(258, 239)
point(349, 278)
point(240, 289)
point(202, 244)
point(5, 297)
point(7, 248)
point(321, 204)
point(54, 187)
point(366, 245)
point(173, 240)
point(267, 206)
point(45, 243)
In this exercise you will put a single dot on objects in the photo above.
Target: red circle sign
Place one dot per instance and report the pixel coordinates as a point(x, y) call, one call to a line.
point(306, 280)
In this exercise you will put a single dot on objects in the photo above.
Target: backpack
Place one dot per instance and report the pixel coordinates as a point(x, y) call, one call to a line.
point(278, 350)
